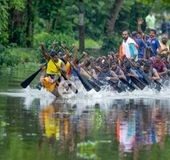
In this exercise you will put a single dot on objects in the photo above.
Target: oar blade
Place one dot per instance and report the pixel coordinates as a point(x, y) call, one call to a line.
point(127, 83)
point(97, 82)
point(158, 85)
point(84, 82)
point(27, 81)
point(137, 82)
point(115, 86)
point(94, 85)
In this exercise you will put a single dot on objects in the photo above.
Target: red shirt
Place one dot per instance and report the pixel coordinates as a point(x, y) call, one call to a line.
point(158, 65)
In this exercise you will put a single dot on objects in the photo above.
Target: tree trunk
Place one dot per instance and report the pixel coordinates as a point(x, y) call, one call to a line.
point(81, 26)
point(16, 26)
point(81, 38)
point(29, 23)
point(113, 16)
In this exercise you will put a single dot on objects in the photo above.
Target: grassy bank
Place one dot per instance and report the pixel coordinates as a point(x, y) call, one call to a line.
point(13, 56)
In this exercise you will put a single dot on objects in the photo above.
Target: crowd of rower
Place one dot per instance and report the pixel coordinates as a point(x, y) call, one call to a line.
point(140, 61)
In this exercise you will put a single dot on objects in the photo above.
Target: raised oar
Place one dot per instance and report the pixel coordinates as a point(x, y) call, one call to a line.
point(142, 76)
point(28, 80)
point(82, 79)
point(136, 81)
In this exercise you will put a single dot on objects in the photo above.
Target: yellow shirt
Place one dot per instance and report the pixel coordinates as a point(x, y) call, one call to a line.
point(54, 67)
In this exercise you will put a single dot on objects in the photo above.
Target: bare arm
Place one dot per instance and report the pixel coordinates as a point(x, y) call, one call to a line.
point(122, 75)
point(44, 53)
point(139, 24)
point(84, 73)
point(165, 70)
point(155, 75)
point(114, 76)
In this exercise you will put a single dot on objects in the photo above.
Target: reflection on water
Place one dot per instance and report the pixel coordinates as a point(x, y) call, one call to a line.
point(120, 131)
point(123, 129)
point(105, 126)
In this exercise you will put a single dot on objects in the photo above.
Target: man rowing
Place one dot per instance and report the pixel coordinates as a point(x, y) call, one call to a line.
point(54, 70)
point(150, 72)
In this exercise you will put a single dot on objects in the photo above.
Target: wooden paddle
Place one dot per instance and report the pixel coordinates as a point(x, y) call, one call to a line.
point(158, 85)
point(137, 82)
point(94, 85)
point(65, 78)
point(28, 80)
point(90, 78)
point(82, 79)
point(94, 79)
point(147, 81)
point(118, 88)
point(115, 86)
point(135, 79)
point(127, 83)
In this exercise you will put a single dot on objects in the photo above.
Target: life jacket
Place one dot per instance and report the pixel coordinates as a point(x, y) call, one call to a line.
point(53, 68)
point(46, 83)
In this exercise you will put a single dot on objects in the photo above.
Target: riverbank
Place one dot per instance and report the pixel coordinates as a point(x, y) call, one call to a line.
point(13, 56)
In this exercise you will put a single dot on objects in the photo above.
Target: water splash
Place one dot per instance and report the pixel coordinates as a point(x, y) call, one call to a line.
point(105, 96)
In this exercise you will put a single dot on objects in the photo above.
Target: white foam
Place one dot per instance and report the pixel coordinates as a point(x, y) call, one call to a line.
point(85, 98)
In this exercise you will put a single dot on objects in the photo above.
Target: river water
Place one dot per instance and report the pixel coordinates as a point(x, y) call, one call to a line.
point(87, 126)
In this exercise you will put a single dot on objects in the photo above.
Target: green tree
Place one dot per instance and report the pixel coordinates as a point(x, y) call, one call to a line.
point(29, 23)
point(3, 22)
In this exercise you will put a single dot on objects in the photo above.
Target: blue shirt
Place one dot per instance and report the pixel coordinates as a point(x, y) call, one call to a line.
point(154, 44)
point(141, 47)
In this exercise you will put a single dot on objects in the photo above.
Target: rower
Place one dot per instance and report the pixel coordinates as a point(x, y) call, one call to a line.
point(108, 76)
point(53, 70)
point(159, 66)
point(117, 70)
point(151, 72)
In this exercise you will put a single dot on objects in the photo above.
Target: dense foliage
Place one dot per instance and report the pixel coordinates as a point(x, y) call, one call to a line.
point(26, 23)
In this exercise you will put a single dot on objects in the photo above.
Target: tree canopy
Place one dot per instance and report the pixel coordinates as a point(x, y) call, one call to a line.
point(22, 20)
